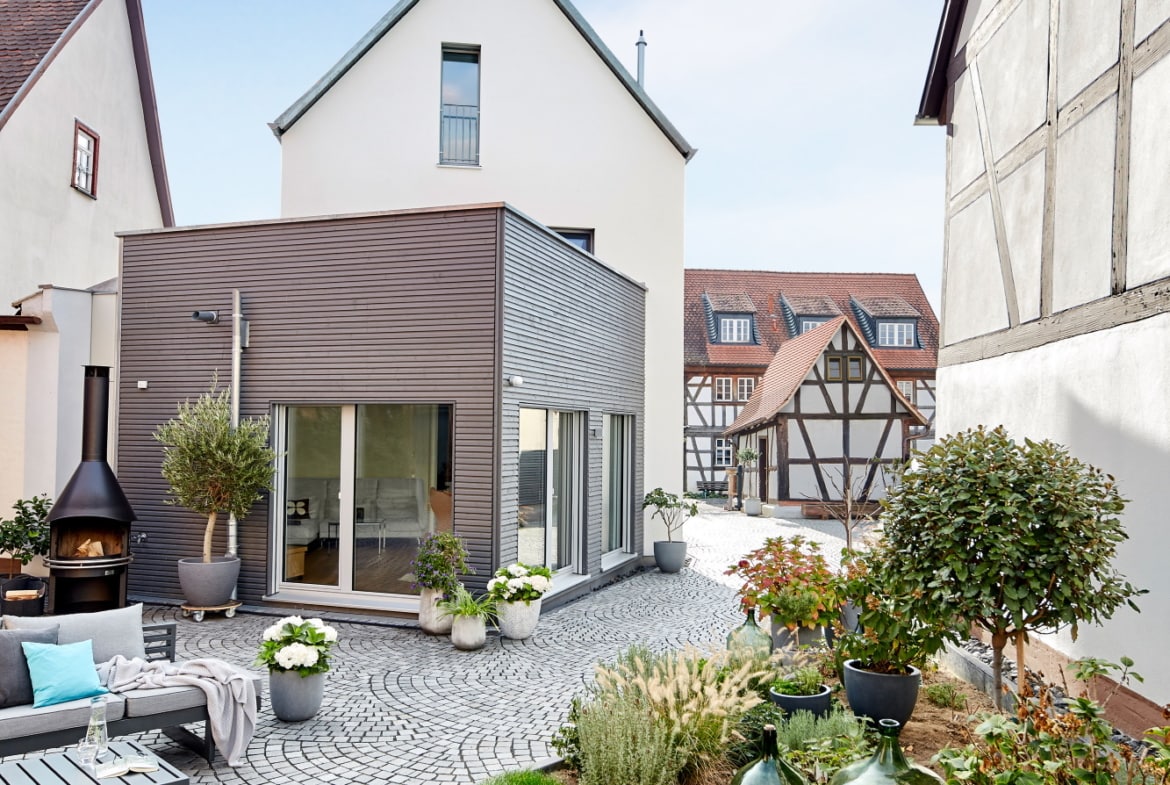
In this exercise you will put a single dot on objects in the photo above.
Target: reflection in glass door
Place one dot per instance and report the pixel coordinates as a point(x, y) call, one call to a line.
point(551, 479)
point(361, 485)
point(617, 481)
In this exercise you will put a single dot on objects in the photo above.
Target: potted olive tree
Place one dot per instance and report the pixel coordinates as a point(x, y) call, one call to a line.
point(669, 554)
point(24, 537)
point(1011, 537)
point(213, 468)
point(441, 559)
point(751, 500)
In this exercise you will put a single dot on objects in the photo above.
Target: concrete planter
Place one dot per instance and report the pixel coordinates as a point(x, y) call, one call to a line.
point(206, 585)
point(670, 556)
point(430, 615)
point(468, 632)
point(881, 696)
point(295, 697)
point(753, 506)
point(518, 620)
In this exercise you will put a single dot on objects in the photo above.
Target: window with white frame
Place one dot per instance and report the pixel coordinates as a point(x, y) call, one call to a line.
point(723, 388)
point(810, 324)
point(907, 390)
point(85, 159)
point(723, 452)
point(746, 386)
point(896, 334)
point(735, 329)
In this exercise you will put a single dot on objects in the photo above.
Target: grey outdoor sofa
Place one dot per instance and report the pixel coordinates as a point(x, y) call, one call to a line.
point(27, 729)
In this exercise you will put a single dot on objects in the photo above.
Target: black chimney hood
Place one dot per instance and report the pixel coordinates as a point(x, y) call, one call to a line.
point(93, 490)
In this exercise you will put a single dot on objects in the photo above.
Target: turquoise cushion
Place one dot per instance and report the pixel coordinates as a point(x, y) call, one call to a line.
point(61, 673)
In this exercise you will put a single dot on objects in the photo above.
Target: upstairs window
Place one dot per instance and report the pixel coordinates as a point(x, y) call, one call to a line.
point(896, 334)
point(723, 388)
point(856, 369)
point(735, 329)
point(582, 238)
point(723, 452)
point(459, 115)
point(907, 390)
point(85, 159)
point(810, 324)
point(747, 386)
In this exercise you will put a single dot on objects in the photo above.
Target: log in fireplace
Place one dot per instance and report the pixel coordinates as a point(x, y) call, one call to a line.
point(89, 526)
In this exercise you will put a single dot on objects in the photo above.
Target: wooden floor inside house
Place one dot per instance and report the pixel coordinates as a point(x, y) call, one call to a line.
point(385, 569)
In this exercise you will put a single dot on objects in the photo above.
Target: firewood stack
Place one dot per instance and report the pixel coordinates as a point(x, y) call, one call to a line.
point(89, 549)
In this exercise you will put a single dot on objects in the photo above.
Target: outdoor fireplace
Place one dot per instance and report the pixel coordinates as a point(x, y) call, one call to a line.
point(89, 526)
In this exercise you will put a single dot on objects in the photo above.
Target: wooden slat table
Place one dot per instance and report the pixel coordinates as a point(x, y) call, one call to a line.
point(63, 767)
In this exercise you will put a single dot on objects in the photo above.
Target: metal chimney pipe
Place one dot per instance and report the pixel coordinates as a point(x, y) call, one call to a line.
point(95, 417)
point(641, 58)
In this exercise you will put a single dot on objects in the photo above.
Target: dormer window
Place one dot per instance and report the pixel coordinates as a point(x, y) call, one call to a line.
point(735, 328)
point(899, 333)
point(807, 324)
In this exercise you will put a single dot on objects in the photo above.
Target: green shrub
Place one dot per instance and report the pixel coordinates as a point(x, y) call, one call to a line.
point(946, 696)
point(623, 741)
point(522, 778)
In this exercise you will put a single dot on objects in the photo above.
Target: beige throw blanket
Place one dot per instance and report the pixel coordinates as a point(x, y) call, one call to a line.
point(231, 694)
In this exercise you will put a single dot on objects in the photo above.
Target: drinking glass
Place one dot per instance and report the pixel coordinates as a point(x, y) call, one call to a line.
point(87, 752)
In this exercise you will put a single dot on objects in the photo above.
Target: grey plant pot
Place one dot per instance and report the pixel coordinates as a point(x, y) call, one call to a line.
point(294, 697)
point(211, 584)
point(670, 556)
point(753, 506)
point(818, 704)
point(881, 696)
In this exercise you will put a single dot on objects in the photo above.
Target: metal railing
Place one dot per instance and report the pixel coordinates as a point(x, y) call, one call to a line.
point(459, 135)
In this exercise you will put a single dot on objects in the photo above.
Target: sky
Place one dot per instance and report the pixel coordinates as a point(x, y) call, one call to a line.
point(802, 113)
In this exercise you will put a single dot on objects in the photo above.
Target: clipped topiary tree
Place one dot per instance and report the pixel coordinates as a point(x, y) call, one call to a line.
point(1014, 538)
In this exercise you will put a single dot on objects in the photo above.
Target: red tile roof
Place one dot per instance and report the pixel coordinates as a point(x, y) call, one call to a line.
point(802, 290)
point(28, 30)
point(791, 366)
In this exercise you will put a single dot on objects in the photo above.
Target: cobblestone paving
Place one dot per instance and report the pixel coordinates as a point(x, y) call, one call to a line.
point(405, 707)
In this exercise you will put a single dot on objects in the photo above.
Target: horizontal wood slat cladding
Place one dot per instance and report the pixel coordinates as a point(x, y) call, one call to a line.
point(575, 330)
point(394, 308)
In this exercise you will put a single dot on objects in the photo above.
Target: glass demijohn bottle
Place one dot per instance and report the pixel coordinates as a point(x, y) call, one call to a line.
point(769, 768)
point(748, 641)
point(887, 766)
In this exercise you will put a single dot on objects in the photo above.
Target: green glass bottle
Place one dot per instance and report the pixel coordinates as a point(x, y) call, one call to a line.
point(748, 641)
point(769, 768)
point(887, 766)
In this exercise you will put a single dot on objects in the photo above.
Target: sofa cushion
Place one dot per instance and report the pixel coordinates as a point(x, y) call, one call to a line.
point(117, 631)
point(61, 673)
point(144, 703)
point(15, 683)
point(18, 721)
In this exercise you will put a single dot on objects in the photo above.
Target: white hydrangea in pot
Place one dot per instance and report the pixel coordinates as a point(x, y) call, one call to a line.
point(517, 591)
point(296, 652)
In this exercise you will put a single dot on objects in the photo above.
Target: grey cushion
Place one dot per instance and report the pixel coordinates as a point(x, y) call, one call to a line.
point(15, 684)
point(143, 703)
point(118, 631)
point(17, 721)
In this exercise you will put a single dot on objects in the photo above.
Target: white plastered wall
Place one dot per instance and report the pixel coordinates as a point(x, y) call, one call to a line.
point(561, 139)
point(1148, 243)
point(1111, 414)
point(52, 233)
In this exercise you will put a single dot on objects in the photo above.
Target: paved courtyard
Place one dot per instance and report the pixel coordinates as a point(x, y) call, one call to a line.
point(405, 707)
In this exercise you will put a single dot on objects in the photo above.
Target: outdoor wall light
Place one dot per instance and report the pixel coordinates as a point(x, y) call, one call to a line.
point(515, 380)
point(207, 317)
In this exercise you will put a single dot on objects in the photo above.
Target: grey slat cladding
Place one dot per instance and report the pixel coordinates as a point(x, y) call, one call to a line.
point(575, 331)
point(363, 309)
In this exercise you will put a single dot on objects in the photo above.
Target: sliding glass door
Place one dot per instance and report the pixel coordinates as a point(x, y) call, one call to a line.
point(551, 479)
point(361, 484)
point(617, 482)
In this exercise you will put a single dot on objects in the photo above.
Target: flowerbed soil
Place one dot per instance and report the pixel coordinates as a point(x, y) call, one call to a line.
point(930, 729)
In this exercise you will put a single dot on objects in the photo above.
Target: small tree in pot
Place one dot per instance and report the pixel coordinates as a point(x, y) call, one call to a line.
point(213, 468)
point(23, 538)
point(751, 501)
point(441, 559)
point(1013, 538)
point(674, 512)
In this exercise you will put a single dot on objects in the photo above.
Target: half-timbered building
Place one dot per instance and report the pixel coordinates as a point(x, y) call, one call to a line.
point(1056, 298)
point(736, 321)
point(825, 416)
